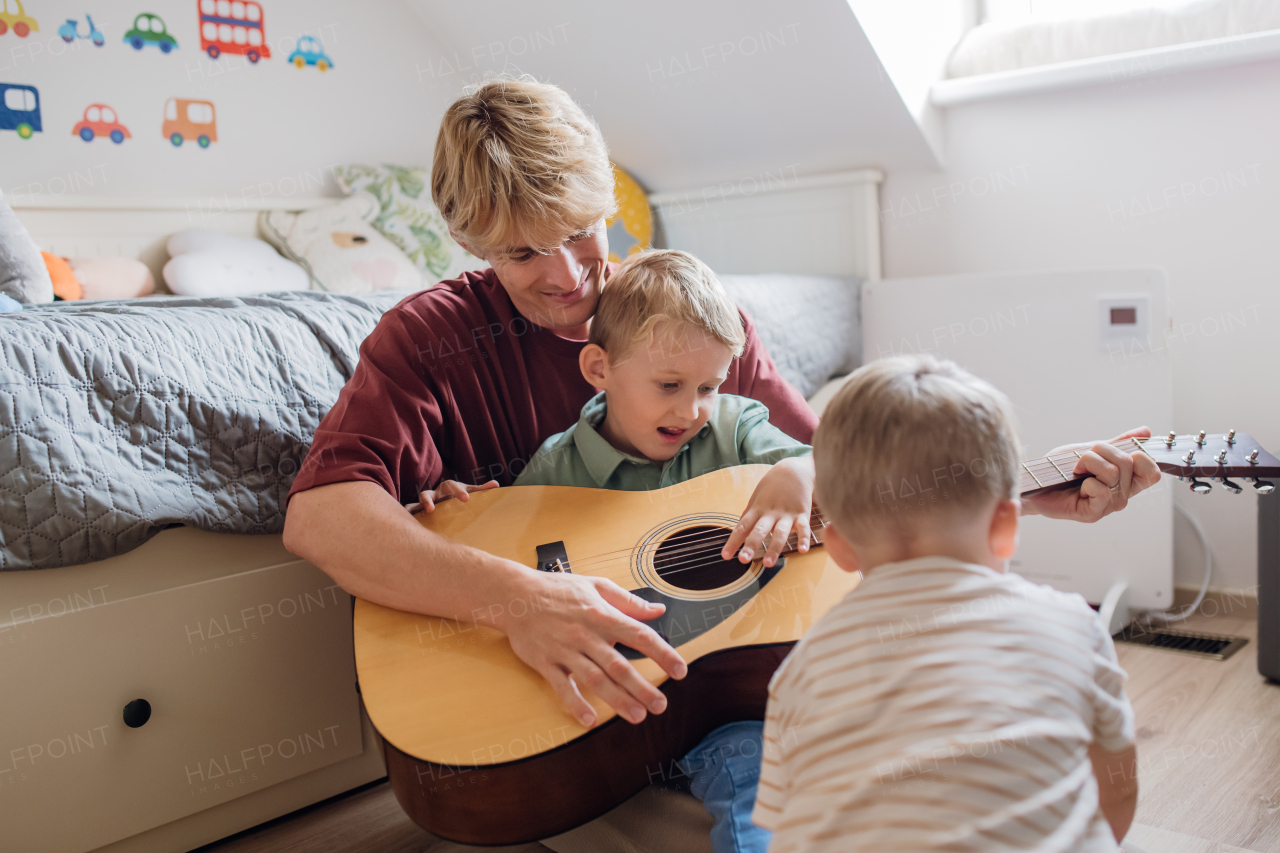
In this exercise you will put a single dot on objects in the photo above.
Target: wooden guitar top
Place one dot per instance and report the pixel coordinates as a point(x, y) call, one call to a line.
point(452, 692)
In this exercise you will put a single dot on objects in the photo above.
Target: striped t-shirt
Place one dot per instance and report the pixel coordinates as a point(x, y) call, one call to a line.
point(943, 706)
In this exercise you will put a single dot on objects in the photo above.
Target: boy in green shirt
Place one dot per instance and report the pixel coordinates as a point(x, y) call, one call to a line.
point(660, 345)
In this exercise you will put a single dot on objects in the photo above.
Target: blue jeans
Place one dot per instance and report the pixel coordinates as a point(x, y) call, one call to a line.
point(724, 770)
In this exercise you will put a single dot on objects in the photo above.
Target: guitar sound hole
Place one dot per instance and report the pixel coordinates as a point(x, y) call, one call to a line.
point(691, 559)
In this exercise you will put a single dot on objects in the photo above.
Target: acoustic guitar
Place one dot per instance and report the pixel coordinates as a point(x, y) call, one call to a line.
point(478, 749)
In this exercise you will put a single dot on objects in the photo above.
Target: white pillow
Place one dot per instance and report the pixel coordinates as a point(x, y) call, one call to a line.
point(340, 248)
point(206, 263)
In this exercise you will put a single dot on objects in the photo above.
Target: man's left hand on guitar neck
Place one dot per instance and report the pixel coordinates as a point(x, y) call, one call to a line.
point(1117, 476)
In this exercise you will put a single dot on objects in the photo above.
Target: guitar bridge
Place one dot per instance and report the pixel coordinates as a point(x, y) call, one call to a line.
point(552, 557)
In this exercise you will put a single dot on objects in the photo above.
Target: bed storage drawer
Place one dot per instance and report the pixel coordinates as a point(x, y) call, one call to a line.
point(249, 678)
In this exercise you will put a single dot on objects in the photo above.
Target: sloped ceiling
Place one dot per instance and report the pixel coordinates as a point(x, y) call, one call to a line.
point(690, 93)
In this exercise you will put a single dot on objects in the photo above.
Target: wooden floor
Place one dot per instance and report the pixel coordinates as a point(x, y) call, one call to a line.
point(1208, 763)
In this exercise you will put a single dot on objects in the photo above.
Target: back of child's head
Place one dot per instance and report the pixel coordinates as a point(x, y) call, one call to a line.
point(665, 292)
point(910, 440)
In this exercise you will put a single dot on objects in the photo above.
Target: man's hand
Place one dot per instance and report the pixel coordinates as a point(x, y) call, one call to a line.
point(447, 489)
point(780, 504)
point(567, 635)
point(1116, 477)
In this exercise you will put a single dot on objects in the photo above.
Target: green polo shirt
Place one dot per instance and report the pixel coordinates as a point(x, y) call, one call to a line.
point(737, 433)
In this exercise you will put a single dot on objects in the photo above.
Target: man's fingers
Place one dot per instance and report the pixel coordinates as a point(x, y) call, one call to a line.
point(639, 636)
point(639, 696)
point(570, 697)
point(1094, 499)
point(591, 676)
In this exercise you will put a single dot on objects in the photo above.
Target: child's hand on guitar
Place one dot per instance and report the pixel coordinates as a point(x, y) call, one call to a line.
point(447, 489)
point(780, 505)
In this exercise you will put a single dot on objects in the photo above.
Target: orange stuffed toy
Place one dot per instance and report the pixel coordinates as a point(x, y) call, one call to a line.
point(65, 285)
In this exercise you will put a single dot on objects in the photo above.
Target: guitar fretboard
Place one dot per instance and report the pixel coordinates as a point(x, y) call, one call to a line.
point(1048, 471)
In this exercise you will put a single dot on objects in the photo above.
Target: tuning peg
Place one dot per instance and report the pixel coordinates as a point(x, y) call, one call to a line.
point(1200, 438)
point(1234, 488)
point(1171, 439)
point(1221, 458)
point(1263, 487)
point(1230, 436)
point(1253, 457)
point(1189, 457)
point(1200, 487)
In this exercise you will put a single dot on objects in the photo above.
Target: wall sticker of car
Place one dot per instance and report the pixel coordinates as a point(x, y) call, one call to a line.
point(100, 120)
point(16, 21)
point(185, 119)
point(20, 109)
point(149, 29)
point(310, 52)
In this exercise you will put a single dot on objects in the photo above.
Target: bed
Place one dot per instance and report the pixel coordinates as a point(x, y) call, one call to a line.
point(181, 684)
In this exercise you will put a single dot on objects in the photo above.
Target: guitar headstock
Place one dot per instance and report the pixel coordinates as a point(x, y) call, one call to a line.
point(1217, 456)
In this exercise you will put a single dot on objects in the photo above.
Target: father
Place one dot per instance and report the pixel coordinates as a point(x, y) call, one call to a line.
point(465, 380)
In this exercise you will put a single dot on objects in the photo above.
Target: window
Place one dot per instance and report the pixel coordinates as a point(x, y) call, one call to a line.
point(206, 7)
point(224, 32)
point(255, 37)
point(157, 25)
point(19, 100)
point(237, 10)
point(1027, 10)
point(210, 31)
point(108, 115)
point(199, 113)
point(143, 24)
point(93, 114)
point(170, 110)
point(254, 10)
point(224, 8)
point(240, 35)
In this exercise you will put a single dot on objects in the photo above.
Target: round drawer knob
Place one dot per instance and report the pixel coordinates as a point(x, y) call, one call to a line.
point(136, 713)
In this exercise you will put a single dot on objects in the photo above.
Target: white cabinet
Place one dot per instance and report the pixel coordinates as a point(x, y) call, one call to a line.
point(242, 651)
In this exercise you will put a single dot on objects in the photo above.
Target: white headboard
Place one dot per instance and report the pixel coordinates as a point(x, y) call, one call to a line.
point(775, 223)
point(93, 226)
point(780, 223)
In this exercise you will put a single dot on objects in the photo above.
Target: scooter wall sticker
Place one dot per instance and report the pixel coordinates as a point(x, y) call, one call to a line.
point(70, 31)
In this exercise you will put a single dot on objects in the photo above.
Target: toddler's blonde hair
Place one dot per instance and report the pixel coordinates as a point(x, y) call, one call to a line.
point(663, 286)
point(908, 438)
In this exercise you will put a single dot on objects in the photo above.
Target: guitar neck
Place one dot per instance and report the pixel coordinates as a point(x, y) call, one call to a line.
point(1058, 469)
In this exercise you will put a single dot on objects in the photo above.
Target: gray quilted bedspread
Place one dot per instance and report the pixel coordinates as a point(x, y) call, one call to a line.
point(118, 419)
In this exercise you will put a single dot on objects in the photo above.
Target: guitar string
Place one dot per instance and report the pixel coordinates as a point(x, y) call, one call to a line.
point(688, 544)
point(694, 546)
point(697, 547)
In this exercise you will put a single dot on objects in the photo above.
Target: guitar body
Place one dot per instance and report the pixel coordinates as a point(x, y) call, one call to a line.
point(478, 749)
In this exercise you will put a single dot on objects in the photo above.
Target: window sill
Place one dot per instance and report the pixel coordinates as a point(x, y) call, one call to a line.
point(1117, 69)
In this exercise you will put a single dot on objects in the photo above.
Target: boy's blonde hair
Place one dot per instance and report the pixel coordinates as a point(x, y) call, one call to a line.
point(907, 438)
point(663, 286)
point(517, 161)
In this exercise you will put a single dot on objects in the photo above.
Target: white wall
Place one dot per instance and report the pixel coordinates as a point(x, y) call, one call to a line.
point(1177, 171)
point(279, 128)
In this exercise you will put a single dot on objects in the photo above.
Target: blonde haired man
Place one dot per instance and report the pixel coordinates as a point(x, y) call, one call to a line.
point(467, 379)
point(943, 704)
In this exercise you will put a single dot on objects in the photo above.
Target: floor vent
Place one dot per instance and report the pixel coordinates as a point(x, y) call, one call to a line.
point(1212, 646)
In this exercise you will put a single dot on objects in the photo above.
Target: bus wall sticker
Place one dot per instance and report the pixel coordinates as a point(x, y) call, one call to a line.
point(232, 26)
point(101, 120)
point(20, 109)
point(150, 29)
point(310, 52)
point(189, 119)
point(14, 17)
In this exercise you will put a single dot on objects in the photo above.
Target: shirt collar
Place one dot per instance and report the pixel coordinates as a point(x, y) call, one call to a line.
point(600, 457)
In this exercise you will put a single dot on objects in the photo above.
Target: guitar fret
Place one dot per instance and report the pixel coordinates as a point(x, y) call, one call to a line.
point(1064, 477)
point(1033, 476)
